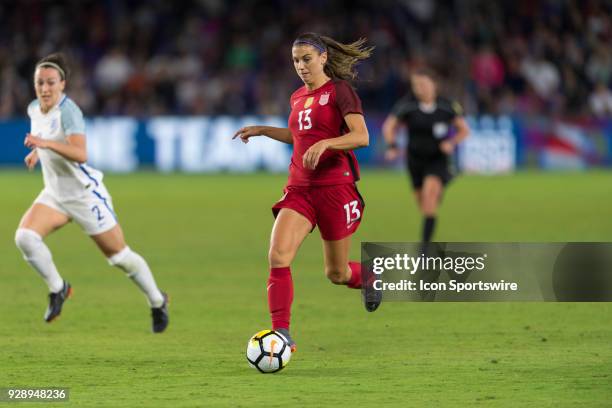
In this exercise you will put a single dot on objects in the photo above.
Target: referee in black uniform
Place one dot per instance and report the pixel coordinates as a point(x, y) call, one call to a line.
point(429, 119)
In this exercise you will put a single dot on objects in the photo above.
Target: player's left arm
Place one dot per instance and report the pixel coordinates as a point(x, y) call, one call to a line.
point(462, 130)
point(357, 136)
point(74, 149)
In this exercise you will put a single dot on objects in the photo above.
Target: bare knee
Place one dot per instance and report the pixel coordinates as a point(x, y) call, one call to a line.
point(337, 276)
point(429, 203)
point(429, 208)
point(280, 255)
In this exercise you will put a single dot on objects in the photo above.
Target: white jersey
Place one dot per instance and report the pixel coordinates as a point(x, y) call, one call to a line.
point(63, 178)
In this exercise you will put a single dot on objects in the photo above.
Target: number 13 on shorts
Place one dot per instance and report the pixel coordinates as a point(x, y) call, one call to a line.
point(352, 212)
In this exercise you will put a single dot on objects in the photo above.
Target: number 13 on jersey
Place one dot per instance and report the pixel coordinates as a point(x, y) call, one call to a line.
point(352, 212)
point(305, 116)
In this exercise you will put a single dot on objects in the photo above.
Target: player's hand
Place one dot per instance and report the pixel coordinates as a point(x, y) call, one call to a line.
point(447, 147)
point(391, 154)
point(246, 132)
point(31, 159)
point(313, 154)
point(33, 142)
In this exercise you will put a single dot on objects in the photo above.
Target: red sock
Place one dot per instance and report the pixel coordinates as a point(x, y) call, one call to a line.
point(355, 280)
point(280, 297)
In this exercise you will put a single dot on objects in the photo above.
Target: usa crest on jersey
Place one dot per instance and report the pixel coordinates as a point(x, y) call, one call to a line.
point(324, 99)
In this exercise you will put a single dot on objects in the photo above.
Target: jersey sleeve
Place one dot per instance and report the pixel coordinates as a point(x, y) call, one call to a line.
point(456, 108)
point(403, 107)
point(347, 99)
point(72, 119)
point(31, 106)
point(451, 107)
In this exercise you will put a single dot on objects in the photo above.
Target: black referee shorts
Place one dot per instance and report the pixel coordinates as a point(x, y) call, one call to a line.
point(420, 167)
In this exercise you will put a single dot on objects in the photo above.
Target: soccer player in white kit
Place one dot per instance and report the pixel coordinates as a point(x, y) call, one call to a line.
point(72, 191)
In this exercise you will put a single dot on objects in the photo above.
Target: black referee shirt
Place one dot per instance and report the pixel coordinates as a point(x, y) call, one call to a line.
point(426, 129)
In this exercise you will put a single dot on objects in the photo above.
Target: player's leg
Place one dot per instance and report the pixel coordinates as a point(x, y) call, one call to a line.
point(339, 211)
point(95, 214)
point(289, 231)
point(38, 222)
point(418, 196)
point(416, 173)
point(337, 266)
point(431, 193)
point(340, 271)
point(113, 246)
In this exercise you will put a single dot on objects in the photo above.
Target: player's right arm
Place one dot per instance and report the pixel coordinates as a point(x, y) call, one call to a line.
point(389, 130)
point(31, 159)
point(280, 134)
point(396, 119)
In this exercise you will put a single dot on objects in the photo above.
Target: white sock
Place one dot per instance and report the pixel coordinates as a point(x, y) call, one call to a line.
point(137, 269)
point(37, 254)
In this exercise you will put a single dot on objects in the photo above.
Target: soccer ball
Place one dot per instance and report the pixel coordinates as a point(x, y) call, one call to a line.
point(268, 351)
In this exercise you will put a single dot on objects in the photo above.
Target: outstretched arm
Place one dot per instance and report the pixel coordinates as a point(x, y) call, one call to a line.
point(280, 134)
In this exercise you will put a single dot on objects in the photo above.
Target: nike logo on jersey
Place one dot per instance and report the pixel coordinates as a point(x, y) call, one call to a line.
point(350, 224)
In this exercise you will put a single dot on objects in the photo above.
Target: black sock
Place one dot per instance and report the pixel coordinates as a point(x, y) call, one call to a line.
point(428, 228)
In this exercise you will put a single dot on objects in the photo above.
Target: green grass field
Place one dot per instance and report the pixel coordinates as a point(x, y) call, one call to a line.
point(206, 239)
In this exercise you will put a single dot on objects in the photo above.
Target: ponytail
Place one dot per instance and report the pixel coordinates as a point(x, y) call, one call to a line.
point(341, 58)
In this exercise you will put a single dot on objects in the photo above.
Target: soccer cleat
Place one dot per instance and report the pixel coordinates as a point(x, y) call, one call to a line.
point(56, 301)
point(160, 315)
point(372, 298)
point(286, 335)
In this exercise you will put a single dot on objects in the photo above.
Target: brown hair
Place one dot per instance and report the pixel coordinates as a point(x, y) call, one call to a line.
point(428, 72)
point(341, 58)
point(55, 60)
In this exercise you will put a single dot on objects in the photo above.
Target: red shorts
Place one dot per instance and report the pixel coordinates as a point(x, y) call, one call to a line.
point(337, 210)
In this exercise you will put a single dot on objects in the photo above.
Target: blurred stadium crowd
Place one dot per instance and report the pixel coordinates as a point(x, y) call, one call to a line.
point(152, 57)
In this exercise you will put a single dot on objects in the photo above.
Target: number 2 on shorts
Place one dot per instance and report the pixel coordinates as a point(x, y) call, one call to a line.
point(96, 210)
point(351, 208)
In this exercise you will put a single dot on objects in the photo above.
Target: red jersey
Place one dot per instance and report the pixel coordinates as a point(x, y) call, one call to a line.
point(317, 115)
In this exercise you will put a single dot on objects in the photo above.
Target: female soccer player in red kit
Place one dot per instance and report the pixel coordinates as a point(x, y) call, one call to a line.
point(325, 125)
